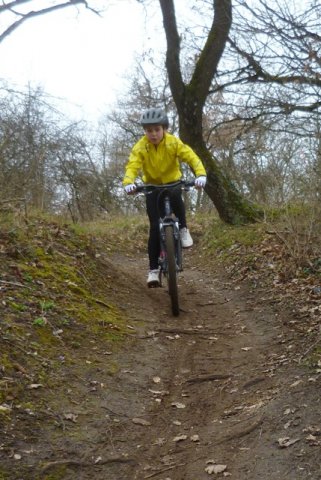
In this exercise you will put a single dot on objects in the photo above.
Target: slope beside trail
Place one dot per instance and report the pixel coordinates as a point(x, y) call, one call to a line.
point(217, 392)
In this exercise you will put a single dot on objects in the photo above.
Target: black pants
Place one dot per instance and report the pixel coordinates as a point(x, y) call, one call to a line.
point(155, 209)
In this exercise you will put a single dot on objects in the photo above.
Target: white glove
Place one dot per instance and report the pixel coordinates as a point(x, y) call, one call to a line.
point(130, 188)
point(200, 181)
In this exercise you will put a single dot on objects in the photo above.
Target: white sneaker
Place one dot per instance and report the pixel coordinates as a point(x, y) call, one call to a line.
point(186, 239)
point(153, 279)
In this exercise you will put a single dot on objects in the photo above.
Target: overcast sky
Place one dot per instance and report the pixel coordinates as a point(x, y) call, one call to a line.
point(79, 57)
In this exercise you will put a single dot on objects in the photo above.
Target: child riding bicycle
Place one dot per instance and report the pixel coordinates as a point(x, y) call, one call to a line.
point(157, 156)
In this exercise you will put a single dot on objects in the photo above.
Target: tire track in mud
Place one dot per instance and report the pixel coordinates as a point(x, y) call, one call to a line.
point(210, 365)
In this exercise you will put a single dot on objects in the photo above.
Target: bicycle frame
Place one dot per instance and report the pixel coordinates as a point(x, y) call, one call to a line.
point(169, 220)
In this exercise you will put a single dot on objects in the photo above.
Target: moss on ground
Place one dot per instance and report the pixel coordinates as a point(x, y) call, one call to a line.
point(55, 302)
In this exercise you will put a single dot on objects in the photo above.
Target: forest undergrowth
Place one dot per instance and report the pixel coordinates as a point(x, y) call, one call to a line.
point(54, 311)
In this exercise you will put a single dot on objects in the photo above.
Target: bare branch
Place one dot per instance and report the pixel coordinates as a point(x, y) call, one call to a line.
point(173, 49)
point(35, 13)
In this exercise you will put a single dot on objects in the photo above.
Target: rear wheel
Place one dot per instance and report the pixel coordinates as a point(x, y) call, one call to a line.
point(172, 272)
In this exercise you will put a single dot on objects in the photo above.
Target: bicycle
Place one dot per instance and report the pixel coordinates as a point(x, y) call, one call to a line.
point(170, 259)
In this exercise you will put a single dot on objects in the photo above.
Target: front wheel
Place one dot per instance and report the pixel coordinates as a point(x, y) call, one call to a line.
point(172, 272)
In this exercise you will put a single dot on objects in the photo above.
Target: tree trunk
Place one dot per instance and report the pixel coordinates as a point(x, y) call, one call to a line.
point(232, 207)
point(190, 99)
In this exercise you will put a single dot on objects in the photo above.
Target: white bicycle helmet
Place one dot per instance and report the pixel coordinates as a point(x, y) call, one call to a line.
point(153, 116)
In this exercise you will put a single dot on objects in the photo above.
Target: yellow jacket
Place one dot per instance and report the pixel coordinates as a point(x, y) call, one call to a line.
point(162, 164)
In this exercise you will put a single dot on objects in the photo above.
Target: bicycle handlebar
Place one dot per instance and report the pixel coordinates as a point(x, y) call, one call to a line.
point(148, 187)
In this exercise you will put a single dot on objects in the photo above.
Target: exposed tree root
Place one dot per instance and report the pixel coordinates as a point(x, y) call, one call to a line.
point(241, 433)
point(253, 382)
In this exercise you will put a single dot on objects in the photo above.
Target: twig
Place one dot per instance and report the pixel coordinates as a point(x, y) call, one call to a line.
point(79, 463)
point(182, 331)
point(311, 347)
point(102, 303)
point(115, 413)
point(208, 378)
point(159, 472)
point(37, 357)
point(15, 284)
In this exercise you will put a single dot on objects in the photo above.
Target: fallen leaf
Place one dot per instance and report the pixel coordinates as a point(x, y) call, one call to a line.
point(71, 416)
point(159, 441)
point(5, 409)
point(34, 386)
point(287, 424)
point(215, 469)
point(288, 411)
point(295, 384)
point(141, 421)
point(179, 438)
point(151, 333)
point(167, 460)
point(56, 333)
point(313, 430)
point(158, 392)
point(178, 405)
point(287, 442)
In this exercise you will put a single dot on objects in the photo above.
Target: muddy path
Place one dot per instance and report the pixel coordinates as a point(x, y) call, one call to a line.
point(218, 392)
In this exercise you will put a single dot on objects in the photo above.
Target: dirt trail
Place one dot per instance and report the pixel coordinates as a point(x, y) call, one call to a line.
point(216, 390)
point(228, 394)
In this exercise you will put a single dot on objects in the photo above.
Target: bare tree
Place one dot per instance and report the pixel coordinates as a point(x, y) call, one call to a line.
point(265, 88)
point(25, 147)
point(19, 14)
point(190, 99)
point(269, 83)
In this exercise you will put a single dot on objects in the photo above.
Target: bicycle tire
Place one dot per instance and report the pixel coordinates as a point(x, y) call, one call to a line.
point(172, 272)
point(179, 255)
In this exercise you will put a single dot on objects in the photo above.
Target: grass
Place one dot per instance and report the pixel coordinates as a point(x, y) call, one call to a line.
point(218, 240)
point(54, 288)
point(56, 278)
